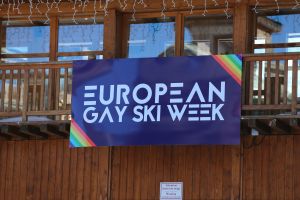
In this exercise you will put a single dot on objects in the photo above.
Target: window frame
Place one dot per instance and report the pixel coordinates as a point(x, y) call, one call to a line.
point(267, 12)
point(53, 53)
point(23, 55)
point(179, 23)
point(77, 53)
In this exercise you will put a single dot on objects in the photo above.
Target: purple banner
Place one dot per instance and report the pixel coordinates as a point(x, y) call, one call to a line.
point(156, 101)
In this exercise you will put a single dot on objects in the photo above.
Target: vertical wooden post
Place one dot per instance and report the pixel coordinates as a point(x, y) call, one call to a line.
point(294, 87)
point(179, 30)
point(111, 40)
point(53, 38)
point(240, 45)
point(1, 40)
point(240, 34)
point(53, 73)
point(110, 34)
point(25, 95)
point(124, 36)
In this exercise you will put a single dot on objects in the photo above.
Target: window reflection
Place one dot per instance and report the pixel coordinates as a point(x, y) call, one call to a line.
point(207, 35)
point(22, 60)
point(18, 37)
point(88, 57)
point(280, 30)
point(152, 38)
point(87, 35)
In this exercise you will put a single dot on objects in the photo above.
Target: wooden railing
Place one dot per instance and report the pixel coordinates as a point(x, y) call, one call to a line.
point(35, 92)
point(271, 85)
point(42, 91)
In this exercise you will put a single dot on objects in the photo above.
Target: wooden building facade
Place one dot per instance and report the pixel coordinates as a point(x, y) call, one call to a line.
point(35, 98)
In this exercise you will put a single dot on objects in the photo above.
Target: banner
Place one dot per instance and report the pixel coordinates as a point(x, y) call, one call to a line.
point(156, 101)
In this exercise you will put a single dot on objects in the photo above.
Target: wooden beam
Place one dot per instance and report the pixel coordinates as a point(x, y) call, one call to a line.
point(261, 127)
point(52, 130)
point(295, 123)
point(13, 131)
point(3, 136)
point(33, 131)
point(64, 128)
point(281, 126)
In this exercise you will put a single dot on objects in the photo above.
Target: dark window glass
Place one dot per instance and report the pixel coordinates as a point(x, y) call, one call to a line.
point(152, 38)
point(86, 35)
point(205, 35)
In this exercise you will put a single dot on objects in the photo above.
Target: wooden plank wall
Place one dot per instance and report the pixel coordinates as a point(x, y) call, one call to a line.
point(271, 169)
point(50, 170)
point(207, 172)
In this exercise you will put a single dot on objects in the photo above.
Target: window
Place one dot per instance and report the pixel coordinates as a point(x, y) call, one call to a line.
point(205, 35)
point(277, 33)
point(82, 40)
point(17, 39)
point(152, 37)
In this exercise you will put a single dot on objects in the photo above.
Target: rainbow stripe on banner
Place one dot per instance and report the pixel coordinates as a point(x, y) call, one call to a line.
point(232, 64)
point(78, 138)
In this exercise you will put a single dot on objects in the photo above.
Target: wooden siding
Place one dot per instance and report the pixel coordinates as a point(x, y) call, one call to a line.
point(207, 172)
point(48, 169)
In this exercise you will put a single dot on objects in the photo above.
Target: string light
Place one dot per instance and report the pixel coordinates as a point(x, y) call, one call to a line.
point(215, 2)
point(57, 6)
point(277, 4)
point(30, 11)
point(227, 9)
point(134, 10)
point(95, 11)
point(85, 4)
point(120, 3)
point(192, 7)
point(255, 7)
point(163, 9)
point(297, 4)
point(74, 13)
point(37, 8)
point(187, 2)
point(205, 8)
point(8, 14)
point(18, 8)
point(53, 2)
point(46, 14)
point(80, 3)
point(174, 3)
point(14, 3)
point(125, 4)
point(142, 3)
point(100, 4)
point(105, 8)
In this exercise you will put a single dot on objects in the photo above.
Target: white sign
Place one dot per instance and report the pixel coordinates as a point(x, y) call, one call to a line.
point(171, 190)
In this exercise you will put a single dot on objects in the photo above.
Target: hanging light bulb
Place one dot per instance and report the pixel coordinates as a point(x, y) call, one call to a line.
point(297, 4)
point(163, 9)
point(255, 7)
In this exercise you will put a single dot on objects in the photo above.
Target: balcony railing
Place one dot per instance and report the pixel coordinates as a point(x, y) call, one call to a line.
point(35, 92)
point(40, 93)
point(271, 85)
